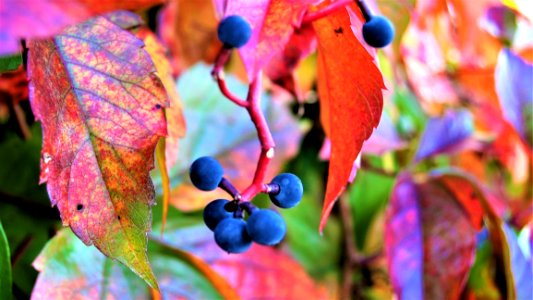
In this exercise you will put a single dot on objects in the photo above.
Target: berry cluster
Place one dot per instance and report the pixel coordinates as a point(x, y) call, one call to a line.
point(226, 218)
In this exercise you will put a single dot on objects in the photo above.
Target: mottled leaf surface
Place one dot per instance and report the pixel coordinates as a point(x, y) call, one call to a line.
point(350, 94)
point(445, 134)
point(174, 113)
point(429, 241)
point(273, 22)
point(98, 143)
point(70, 270)
point(37, 19)
point(514, 79)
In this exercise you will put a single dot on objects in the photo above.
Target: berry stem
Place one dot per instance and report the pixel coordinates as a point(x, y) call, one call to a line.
point(271, 188)
point(363, 6)
point(265, 139)
point(326, 11)
point(253, 106)
point(218, 75)
point(229, 188)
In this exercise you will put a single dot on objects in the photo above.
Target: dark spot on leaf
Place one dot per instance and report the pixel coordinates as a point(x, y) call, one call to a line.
point(338, 31)
point(79, 207)
point(118, 218)
point(157, 106)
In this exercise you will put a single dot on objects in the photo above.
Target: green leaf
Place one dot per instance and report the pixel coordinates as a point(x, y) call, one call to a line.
point(10, 62)
point(320, 255)
point(19, 175)
point(369, 196)
point(68, 268)
point(480, 280)
point(5, 266)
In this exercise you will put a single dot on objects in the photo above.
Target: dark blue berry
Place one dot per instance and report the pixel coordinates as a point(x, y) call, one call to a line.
point(215, 212)
point(231, 235)
point(266, 227)
point(206, 173)
point(290, 190)
point(378, 32)
point(234, 31)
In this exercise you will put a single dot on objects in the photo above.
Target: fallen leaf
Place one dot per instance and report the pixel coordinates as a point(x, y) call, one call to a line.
point(350, 92)
point(273, 22)
point(98, 144)
point(25, 19)
point(429, 241)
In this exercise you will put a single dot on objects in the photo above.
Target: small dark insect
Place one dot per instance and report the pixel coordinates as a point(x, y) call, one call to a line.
point(338, 31)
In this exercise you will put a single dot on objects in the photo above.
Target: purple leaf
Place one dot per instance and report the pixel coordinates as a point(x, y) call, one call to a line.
point(445, 134)
point(429, 240)
point(514, 85)
point(520, 265)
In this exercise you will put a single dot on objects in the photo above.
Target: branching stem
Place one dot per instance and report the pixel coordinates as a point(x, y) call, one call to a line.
point(253, 106)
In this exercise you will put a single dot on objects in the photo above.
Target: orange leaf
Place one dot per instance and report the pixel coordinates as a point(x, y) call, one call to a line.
point(189, 28)
point(94, 89)
point(350, 92)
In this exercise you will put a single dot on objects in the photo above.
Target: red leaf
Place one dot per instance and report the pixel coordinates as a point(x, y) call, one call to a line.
point(31, 19)
point(429, 240)
point(350, 95)
point(281, 67)
point(98, 143)
point(273, 22)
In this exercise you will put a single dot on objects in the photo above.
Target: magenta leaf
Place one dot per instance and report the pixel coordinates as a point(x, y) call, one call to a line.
point(273, 22)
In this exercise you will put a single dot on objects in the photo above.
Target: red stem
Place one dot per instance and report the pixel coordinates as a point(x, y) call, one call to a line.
point(253, 106)
point(218, 74)
point(313, 16)
point(265, 139)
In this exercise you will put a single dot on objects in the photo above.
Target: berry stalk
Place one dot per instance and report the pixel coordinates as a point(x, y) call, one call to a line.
point(326, 11)
point(253, 107)
point(218, 75)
